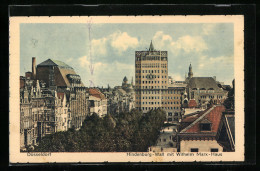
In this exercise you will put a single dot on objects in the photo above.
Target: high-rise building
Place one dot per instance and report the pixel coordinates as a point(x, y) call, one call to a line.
point(151, 83)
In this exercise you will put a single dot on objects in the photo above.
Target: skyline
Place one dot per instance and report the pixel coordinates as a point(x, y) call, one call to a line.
point(208, 47)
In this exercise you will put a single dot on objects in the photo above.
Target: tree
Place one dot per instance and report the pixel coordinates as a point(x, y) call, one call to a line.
point(129, 131)
point(229, 102)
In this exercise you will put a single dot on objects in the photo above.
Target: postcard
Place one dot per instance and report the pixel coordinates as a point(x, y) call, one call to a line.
point(96, 89)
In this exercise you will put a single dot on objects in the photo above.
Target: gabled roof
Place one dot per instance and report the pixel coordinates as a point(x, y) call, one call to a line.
point(203, 82)
point(51, 62)
point(212, 115)
point(96, 93)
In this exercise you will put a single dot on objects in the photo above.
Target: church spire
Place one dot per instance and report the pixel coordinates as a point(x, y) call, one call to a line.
point(190, 74)
point(151, 48)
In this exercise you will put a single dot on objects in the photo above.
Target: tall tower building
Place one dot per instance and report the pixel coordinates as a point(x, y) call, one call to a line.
point(151, 78)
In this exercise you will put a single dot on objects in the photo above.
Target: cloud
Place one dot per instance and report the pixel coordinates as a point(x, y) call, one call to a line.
point(85, 63)
point(221, 66)
point(191, 43)
point(122, 41)
point(162, 40)
point(176, 76)
point(208, 29)
point(99, 46)
point(206, 61)
point(119, 41)
point(186, 43)
point(105, 73)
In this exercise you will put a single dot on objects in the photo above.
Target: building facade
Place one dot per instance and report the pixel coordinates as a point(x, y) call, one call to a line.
point(97, 102)
point(152, 83)
point(52, 99)
point(204, 90)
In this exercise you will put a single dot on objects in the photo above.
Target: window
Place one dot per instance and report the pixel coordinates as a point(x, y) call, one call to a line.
point(169, 119)
point(214, 150)
point(194, 150)
point(205, 127)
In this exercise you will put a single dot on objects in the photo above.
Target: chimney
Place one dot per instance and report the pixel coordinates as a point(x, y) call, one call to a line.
point(33, 68)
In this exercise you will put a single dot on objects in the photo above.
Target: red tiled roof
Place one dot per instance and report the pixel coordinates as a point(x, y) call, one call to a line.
point(213, 116)
point(191, 118)
point(96, 93)
point(192, 103)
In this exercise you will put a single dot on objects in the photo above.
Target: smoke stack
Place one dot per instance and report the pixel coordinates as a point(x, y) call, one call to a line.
point(33, 67)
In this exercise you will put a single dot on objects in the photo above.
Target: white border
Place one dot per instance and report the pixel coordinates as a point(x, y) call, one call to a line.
point(14, 73)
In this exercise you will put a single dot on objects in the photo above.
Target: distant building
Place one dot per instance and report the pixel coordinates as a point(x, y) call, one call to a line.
point(200, 132)
point(97, 102)
point(120, 98)
point(203, 90)
point(166, 142)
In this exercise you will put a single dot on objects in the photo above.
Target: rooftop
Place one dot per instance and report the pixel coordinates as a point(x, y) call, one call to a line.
point(212, 115)
point(203, 82)
point(51, 62)
point(96, 93)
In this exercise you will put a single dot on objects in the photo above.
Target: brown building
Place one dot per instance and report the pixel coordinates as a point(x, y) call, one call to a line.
point(57, 73)
point(151, 83)
point(60, 104)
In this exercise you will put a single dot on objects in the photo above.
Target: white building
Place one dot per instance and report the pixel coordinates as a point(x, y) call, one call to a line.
point(98, 102)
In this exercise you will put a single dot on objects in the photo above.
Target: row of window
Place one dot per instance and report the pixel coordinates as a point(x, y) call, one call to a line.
point(158, 102)
point(158, 97)
point(151, 87)
point(151, 58)
point(151, 108)
point(157, 65)
point(160, 92)
point(153, 76)
point(175, 114)
point(151, 71)
point(170, 119)
point(211, 97)
point(153, 82)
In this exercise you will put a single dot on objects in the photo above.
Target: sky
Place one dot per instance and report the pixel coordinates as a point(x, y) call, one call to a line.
point(209, 47)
